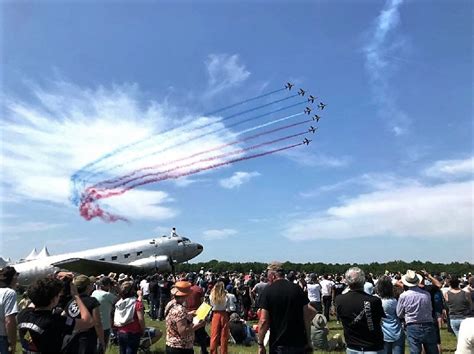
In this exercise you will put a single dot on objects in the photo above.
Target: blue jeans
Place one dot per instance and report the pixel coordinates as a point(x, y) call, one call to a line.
point(422, 334)
point(3, 345)
point(129, 342)
point(397, 347)
point(352, 351)
point(455, 324)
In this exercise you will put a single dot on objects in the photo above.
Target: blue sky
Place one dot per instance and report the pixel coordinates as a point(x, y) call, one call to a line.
point(389, 174)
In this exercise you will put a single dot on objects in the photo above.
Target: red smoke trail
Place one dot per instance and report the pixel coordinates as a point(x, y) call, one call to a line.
point(207, 159)
point(89, 210)
point(118, 179)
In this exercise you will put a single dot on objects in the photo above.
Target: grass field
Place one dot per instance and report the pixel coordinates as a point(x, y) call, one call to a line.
point(448, 341)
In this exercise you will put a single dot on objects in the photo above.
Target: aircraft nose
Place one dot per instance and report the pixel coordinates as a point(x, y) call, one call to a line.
point(199, 247)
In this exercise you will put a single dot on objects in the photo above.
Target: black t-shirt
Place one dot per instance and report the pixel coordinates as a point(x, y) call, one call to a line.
point(338, 288)
point(361, 315)
point(42, 331)
point(88, 337)
point(285, 301)
point(237, 330)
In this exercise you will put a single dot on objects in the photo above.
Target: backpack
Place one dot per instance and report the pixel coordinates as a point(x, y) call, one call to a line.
point(124, 311)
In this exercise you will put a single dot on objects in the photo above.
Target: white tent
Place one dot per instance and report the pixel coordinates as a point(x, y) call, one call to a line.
point(43, 253)
point(33, 254)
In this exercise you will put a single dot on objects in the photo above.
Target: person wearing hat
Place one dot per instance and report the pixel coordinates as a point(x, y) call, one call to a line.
point(107, 302)
point(415, 307)
point(179, 323)
point(285, 311)
point(86, 341)
point(361, 315)
point(9, 309)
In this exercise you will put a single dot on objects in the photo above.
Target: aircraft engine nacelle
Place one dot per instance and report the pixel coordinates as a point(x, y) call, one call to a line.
point(158, 263)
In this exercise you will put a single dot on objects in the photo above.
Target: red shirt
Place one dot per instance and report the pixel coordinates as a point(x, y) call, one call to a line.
point(133, 327)
point(193, 301)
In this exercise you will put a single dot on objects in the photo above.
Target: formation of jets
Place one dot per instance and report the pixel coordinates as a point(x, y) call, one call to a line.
point(307, 110)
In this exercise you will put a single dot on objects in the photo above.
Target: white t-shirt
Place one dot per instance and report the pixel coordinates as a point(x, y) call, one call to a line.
point(466, 337)
point(314, 292)
point(8, 307)
point(145, 287)
point(368, 288)
point(326, 287)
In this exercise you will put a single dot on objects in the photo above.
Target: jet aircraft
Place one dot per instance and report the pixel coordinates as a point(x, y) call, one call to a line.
point(311, 98)
point(312, 129)
point(301, 92)
point(289, 85)
point(307, 110)
point(321, 105)
point(316, 118)
point(138, 257)
point(306, 141)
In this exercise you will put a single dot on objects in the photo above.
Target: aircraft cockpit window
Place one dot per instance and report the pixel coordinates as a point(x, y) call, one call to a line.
point(126, 255)
point(139, 253)
point(114, 258)
point(186, 240)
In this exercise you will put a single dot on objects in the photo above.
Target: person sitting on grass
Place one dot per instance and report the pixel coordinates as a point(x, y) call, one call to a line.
point(319, 335)
point(240, 331)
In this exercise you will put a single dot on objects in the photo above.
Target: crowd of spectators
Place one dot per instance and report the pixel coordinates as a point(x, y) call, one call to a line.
point(286, 312)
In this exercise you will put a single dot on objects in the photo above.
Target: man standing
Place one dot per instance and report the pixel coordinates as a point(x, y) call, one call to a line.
point(327, 293)
point(414, 305)
point(8, 309)
point(258, 290)
point(361, 315)
point(193, 301)
point(286, 313)
point(107, 301)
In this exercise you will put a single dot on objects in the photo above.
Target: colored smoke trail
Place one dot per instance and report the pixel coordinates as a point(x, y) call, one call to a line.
point(89, 210)
point(243, 102)
point(141, 170)
point(174, 145)
point(78, 175)
point(207, 159)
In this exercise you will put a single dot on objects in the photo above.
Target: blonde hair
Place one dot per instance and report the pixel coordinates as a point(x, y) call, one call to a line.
point(218, 294)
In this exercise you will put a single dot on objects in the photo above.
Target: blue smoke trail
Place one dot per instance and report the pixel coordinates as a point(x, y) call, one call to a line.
point(102, 172)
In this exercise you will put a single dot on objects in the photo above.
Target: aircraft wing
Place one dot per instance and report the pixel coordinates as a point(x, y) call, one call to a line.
point(91, 267)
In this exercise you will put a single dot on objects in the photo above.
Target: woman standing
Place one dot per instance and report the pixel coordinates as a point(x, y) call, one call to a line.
point(459, 304)
point(129, 318)
point(393, 335)
point(220, 319)
point(179, 323)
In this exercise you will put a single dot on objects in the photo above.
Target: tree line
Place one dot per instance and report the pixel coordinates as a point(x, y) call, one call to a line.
point(330, 268)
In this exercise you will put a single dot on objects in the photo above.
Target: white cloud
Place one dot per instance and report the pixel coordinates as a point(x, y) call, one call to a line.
point(380, 67)
point(451, 169)
point(369, 181)
point(439, 211)
point(218, 234)
point(225, 71)
point(28, 227)
point(312, 159)
point(66, 127)
point(142, 204)
point(237, 179)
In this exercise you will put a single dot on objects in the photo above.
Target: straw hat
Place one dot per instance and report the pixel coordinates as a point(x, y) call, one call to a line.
point(411, 278)
point(181, 288)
